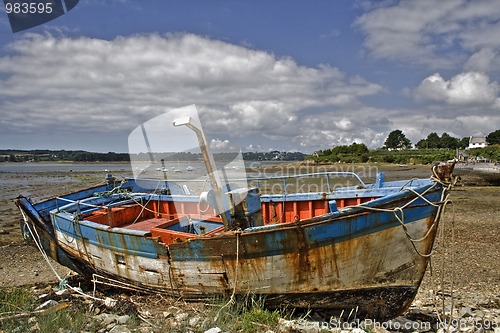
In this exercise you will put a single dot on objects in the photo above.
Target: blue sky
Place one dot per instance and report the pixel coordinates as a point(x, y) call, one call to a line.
point(288, 75)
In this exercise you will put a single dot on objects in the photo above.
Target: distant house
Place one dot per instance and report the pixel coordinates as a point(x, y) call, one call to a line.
point(477, 142)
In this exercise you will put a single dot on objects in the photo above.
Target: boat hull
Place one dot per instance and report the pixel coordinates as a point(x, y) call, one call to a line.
point(359, 258)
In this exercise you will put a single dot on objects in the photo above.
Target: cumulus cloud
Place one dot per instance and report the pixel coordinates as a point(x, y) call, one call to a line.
point(222, 145)
point(436, 34)
point(471, 88)
point(106, 87)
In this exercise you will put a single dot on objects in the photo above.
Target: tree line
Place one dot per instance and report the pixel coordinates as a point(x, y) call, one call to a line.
point(397, 149)
point(397, 140)
point(11, 155)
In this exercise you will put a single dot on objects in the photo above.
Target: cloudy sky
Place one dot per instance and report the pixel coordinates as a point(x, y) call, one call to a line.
point(284, 74)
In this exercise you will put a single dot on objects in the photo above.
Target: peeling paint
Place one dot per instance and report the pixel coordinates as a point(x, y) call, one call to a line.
point(357, 256)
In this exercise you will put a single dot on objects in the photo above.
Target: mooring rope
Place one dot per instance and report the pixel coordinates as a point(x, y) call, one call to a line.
point(399, 211)
point(63, 283)
point(441, 206)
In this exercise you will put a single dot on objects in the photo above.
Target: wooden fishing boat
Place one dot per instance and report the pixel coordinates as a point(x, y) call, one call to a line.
point(363, 247)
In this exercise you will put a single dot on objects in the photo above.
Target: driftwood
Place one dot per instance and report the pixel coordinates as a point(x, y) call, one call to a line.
point(53, 309)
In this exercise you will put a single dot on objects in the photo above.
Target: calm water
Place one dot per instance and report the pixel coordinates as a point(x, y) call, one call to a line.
point(107, 167)
point(47, 167)
point(192, 173)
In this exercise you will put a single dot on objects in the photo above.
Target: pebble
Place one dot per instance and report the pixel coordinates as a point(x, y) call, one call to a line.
point(109, 320)
point(121, 320)
point(465, 312)
point(468, 317)
point(120, 329)
point(180, 317)
point(47, 304)
point(217, 330)
point(194, 321)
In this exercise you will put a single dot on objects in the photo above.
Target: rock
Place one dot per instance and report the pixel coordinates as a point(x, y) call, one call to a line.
point(47, 304)
point(217, 330)
point(290, 325)
point(465, 312)
point(122, 319)
point(120, 329)
point(181, 316)
point(144, 329)
point(101, 317)
point(167, 314)
point(109, 320)
point(193, 322)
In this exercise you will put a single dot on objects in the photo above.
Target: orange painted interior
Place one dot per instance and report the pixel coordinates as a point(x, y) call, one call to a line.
point(159, 215)
point(273, 212)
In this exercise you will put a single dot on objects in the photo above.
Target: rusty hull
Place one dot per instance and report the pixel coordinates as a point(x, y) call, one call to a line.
point(354, 258)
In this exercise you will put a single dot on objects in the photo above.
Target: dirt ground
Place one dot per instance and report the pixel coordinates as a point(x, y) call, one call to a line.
point(475, 215)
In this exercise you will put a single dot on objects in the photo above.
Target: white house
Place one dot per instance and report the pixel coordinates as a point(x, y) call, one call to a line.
point(477, 142)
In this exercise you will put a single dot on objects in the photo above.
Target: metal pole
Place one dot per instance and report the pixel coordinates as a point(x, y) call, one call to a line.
point(210, 166)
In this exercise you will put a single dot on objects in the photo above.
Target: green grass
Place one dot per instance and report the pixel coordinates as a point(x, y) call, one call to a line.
point(15, 301)
point(258, 318)
point(244, 316)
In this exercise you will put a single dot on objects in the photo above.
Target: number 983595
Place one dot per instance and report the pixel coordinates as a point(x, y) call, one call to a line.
point(28, 7)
